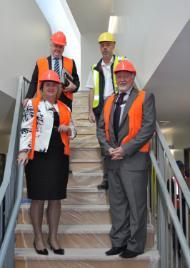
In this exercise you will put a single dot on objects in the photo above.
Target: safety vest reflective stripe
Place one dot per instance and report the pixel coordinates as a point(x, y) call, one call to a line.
point(64, 118)
point(135, 119)
point(43, 66)
point(96, 78)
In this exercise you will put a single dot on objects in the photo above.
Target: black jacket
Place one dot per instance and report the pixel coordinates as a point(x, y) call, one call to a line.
point(34, 81)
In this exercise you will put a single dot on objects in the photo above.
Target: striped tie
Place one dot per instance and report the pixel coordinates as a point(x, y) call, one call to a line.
point(56, 66)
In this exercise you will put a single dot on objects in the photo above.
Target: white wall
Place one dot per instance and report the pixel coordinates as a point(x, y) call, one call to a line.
point(90, 54)
point(24, 37)
point(146, 30)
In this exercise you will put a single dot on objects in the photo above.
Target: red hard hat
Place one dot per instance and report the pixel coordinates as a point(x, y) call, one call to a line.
point(50, 76)
point(125, 65)
point(59, 38)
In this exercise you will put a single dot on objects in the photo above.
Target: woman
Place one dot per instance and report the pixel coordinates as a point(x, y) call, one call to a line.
point(44, 148)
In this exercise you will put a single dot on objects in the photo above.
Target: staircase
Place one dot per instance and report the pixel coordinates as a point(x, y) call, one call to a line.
point(85, 219)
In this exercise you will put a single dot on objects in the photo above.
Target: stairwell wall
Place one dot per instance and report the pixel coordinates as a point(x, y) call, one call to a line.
point(24, 37)
point(146, 30)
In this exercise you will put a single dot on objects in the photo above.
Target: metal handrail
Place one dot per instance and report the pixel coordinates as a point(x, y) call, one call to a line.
point(7, 172)
point(13, 198)
point(173, 164)
point(166, 213)
point(172, 211)
point(13, 217)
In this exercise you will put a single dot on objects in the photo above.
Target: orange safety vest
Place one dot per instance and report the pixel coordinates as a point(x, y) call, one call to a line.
point(64, 118)
point(135, 119)
point(43, 67)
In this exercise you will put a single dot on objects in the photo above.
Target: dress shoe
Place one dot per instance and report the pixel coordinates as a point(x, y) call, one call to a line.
point(59, 251)
point(40, 251)
point(129, 254)
point(115, 250)
point(103, 185)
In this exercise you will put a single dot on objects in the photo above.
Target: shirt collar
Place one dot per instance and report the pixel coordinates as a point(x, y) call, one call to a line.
point(128, 91)
point(53, 58)
point(104, 64)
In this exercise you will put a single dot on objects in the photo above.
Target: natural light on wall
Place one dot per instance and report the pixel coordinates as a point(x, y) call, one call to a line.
point(60, 18)
point(113, 22)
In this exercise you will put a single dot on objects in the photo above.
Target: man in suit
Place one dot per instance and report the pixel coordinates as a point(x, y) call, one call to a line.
point(56, 62)
point(101, 84)
point(125, 127)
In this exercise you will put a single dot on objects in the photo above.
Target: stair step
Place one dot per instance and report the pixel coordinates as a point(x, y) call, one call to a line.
point(86, 130)
point(82, 196)
point(85, 153)
point(76, 236)
point(84, 179)
point(83, 165)
point(91, 258)
point(81, 100)
point(73, 214)
point(85, 142)
point(80, 109)
point(84, 123)
point(80, 116)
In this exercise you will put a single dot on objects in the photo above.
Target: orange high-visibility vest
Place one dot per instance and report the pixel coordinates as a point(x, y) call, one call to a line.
point(64, 118)
point(43, 67)
point(135, 119)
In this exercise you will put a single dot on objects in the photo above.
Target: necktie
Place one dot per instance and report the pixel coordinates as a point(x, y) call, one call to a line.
point(117, 112)
point(56, 66)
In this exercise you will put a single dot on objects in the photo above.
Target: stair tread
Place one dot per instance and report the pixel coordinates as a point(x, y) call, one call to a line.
point(96, 254)
point(75, 228)
point(85, 160)
point(82, 207)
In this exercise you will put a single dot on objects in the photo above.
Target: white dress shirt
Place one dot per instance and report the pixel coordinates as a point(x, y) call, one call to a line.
point(53, 64)
point(124, 103)
point(108, 89)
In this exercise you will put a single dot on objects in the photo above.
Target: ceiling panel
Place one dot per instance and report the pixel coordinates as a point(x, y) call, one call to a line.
point(91, 15)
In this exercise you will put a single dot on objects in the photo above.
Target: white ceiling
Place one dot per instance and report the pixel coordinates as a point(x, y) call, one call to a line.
point(91, 16)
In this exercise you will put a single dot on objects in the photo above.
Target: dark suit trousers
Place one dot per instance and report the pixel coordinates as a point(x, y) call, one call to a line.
point(128, 206)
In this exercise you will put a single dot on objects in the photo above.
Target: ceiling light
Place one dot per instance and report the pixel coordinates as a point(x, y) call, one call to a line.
point(113, 21)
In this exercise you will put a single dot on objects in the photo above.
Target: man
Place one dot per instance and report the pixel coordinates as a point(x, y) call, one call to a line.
point(125, 127)
point(102, 84)
point(56, 62)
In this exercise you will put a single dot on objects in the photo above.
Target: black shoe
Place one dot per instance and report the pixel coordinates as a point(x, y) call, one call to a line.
point(115, 250)
point(70, 171)
point(59, 251)
point(103, 186)
point(129, 254)
point(40, 251)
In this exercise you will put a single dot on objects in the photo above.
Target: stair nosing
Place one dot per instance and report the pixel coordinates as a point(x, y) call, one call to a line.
point(79, 208)
point(73, 254)
point(85, 161)
point(75, 228)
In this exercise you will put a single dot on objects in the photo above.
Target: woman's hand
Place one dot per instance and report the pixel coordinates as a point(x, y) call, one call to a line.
point(65, 129)
point(23, 158)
